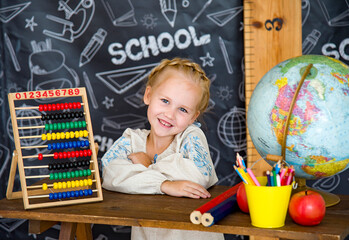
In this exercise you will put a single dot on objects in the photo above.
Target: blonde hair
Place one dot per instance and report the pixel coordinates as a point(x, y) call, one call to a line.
point(191, 69)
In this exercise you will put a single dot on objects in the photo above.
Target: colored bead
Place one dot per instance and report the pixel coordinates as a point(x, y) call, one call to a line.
point(81, 182)
point(70, 145)
point(64, 194)
point(43, 137)
point(77, 174)
point(66, 106)
point(45, 107)
point(78, 144)
point(68, 175)
point(56, 176)
point(59, 185)
point(72, 174)
point(50, 166)
point(84, 172)
point(59, 195)
point(68, 194)
point(43, 117)
point(71, 165)
point(41, 107)
point(76, 193)
point(76, 125)
point(89, 152)
point(73, 184)
point(86, 192)
point(59, 126)
point(68, 184)
point(69, 115)
point(83, 124)
point(81, 133)
point(77, 183)
point(87, 143)
point(70, 105)
point(62, 106)
point(90, 191)
point(79, 163)
point(74, 105)
point(47, 126)
point(74, 144)
point(78, 105)
point(40, 156)
point(63, 125)
point(62, 135)
point(54, 166)
point(55, 155)
point(85, 133)
point(89, 172)
point(76, 134)
point(55, 126)
point(72, 154)
point(52, 176)
point(50, 196)
point(64, 154)
point(48, 135)
point(81, 193)
point(62, 145)
point(75, 164)
point(72, 193)
point(81, 153)
point(60, 155)
point(85, 182)
point(49, 146)
point(64, 185)
point(44, 186)
point(53, 136)
point(89, 181)
point(58, 106)
point(79, 124)
point(76, 153)
point(56, 116)
point(54, 107)
point(64, 175)
point(68, 154)
point(60, 175)
point(49, 107)
point(55, 185)
point(55, 195)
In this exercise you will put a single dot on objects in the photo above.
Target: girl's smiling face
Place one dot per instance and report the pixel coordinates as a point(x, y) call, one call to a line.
point(172, 103)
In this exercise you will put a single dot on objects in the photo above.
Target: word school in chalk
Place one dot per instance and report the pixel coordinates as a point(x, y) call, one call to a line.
point(137, 49)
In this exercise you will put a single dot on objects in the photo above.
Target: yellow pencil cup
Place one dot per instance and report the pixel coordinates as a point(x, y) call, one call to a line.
point(268, 205)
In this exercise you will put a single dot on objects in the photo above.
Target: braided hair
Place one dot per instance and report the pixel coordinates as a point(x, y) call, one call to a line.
point(189, 68)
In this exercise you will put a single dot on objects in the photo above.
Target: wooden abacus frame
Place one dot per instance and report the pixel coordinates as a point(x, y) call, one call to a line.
point(17, 158)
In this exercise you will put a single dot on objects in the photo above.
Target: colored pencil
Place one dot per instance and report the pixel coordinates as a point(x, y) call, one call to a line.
point(254, 179)
point(239, 173)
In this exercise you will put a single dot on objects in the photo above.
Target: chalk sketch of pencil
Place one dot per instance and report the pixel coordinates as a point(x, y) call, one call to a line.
point(310, 41)
point(92, 47)
point(225, 56)
point(90, 90)
point(121, 13)
point(202, 10)
point(169, 10)
point(12, 53)
point(338, 21)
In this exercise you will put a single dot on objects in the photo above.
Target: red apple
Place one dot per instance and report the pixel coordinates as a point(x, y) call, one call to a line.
point(307, 208)
point(242, 199)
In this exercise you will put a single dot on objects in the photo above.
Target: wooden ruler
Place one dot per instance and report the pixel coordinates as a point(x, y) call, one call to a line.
point(272, 34)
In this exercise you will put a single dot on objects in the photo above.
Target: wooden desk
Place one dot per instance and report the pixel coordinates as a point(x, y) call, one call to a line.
point(166, 212)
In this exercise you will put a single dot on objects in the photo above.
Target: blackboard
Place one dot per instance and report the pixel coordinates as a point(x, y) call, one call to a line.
point(109, 47)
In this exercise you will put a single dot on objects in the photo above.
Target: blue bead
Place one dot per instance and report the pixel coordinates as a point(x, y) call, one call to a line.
point(78, 143)
point(66, 145)
point(59, 195)
point(77, 193)
point(50, 196)
point(70, 145)
point(53, 146)
point(82, 143)
point(81, 193)
point(55, 195)
point(87, 143)
point(90, 192)
point(68, 194)
point(72, 193)
point(74, 144)
point(86, 192)
point(64, 194)
point(49, 146)
point(62, 145)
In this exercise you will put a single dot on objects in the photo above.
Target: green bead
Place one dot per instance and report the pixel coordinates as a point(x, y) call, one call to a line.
point(72, 174)
point(63, 125)
point(79, 124)
point(84, 172)
point(64, 175)
point(59, 126)
point(77, 173)
point(83, 124)
point(60, 175)
point(55, 126)
point(52, 177)
point(51, 127)
point(68, 175)
point(72, 125)
point(47, 126)
point(55, 176)
point(88, 172)
point(76, 125)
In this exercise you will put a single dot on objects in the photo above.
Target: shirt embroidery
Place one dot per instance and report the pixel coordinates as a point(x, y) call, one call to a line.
point(118, 150)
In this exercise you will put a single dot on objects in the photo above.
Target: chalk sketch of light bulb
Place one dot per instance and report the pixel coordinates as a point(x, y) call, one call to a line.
point(49, 71)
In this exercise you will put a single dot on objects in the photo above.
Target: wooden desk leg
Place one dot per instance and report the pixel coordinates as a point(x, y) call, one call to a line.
point(68, 231)
point(84, 231)
point(38, 227)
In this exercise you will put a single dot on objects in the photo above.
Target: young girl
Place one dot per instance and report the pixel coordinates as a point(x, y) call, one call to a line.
point(173, 156)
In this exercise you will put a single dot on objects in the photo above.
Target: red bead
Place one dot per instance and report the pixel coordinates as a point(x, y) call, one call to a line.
point(74, 105)
point(62, 106)
point(85, 153)
point(68, 154)
point(53, 107)
point(66, 106)
point(60, 155)
point(45, 107)
point(40, 157)
point(49, 107)
point(55, 155)
point(78, 105)
point(89, 152)
point(70, 105)
point(64, 155)
point(81, 153)
point(76, 153)
point(58, 106)
point(41, 107)
point(72, 153)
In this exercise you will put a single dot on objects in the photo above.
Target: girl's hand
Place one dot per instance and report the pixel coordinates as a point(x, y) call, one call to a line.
point(140, 158)
point(183, 188)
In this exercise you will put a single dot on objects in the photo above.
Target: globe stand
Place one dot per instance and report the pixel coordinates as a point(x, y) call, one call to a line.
point(330, 198)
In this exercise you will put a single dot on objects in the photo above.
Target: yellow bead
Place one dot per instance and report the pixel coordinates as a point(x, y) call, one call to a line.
point(85, 182)
point(76, 134)
point(62, 135)
point(43, 137)
point(59, 185)
point(90, 181)
point(85, 133)
point(55, 185)
point(77, 183)
point(68, 184)
point(72, 134)
point(64, 185)
point(44, 186)
point(73, 184)
point(81, 183)
point(53, 136)
point(67, 135)
point(58, 136)
point(48, 136)
point(81, 133)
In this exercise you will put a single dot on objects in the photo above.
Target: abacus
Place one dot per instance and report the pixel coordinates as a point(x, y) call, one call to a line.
point(73, 176)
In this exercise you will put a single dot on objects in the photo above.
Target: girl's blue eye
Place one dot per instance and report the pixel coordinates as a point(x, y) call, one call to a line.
point(183, 110)
point(164, 100)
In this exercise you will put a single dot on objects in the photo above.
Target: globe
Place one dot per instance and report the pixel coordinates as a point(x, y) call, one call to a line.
point(318, 131)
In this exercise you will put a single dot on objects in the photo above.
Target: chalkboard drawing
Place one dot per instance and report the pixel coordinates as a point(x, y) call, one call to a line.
point(136, 99)
point(242, 83)
point(223, 17)
point(215, 155)
point(202, 10)
point(225, 56)
point(5, 157)
point(117, 124)
point(12, 53)
point(310, 41)
point(169, 11)
point(327, 184)
point(9, 224)
point(108, 102)
point(90, 90)
point(30, 24)
point(305, 10)
point(229, 179)
point(231, 129)
point(78, 16)
point(8, 13)
point(224, 93)
point(92, 47)
point(149, 21)
point(341, 20)
point(121, 80)
point(120, 12)
point(207, 60)
point(48, 70)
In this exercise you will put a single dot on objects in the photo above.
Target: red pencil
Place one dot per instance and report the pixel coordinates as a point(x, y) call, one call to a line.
point(195, 216)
